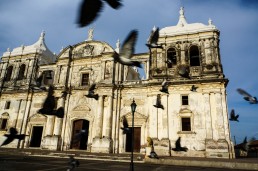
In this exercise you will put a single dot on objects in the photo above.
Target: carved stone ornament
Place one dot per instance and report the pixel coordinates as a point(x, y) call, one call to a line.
point(84, 51)
point(38, 118)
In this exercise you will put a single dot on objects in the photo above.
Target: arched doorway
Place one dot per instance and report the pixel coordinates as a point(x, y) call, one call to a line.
point(80, 134)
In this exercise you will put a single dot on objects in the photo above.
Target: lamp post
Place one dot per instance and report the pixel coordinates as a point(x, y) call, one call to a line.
point(133, 107)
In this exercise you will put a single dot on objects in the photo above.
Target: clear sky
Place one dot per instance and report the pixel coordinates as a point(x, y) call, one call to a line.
point(21, 23)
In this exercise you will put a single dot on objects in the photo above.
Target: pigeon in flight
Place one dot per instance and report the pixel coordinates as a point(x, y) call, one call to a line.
point(245, 144)
point(125, 129)
point(247, 96)
point(158, 102)
point(164, 87)
point(127, 51)
point(153, 155)
point(183, 71)
point(193, 89)
point(90, 10)
point(73, 163)
point(50, 104)
point(13, 135)
point(178, 146)
point(153, 39)
point(233, 116)
point(91, 93)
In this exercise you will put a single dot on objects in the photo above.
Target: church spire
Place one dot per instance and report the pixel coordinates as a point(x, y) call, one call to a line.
point(182, 20)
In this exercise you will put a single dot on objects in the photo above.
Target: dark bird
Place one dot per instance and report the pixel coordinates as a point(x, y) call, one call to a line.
point(233, 116)
point(247, 96)
point(90, 10)
point(158, 102)
point(245, 144)
point(183, 71)
point(91, 93)
point(164, 87)
point(178, 146)
point(153, 155)
point(153, 39)
point(125, 127)
point(127, 50)
point(50, 104)
point(193, 88)
point(13, 135)
point(73, 163)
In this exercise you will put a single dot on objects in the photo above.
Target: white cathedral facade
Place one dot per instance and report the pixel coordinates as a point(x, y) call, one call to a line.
point(200, 118)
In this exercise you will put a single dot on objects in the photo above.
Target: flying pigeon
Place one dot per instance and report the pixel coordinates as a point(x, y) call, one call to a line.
point(233, 116)
point(247, 96)
point(13, 135)
point(183, 71)
point(153, 39)
point(193, 89)
point(127, 51)
point(50, 104)
point(178, 146)
point(125, 129)
point(91, 93)
point(158, 102)
point(73, 163)
point(164, 88)
point(153, 155)
point(90, 10)
point(245, 144)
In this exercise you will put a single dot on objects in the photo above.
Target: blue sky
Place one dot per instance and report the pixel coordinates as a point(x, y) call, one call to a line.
point(21, 23)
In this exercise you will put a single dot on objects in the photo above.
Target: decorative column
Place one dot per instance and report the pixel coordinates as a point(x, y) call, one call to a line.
point(99, 118)
point(50, 125)
point(59, 121)
point(207, 111)
point(109, 117)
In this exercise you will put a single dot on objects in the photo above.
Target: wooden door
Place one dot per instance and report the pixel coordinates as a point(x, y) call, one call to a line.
point(36, 136)
point(137, 140)
point(78, 126)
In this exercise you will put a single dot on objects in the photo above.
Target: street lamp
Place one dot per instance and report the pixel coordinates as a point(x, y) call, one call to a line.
point(133, 107)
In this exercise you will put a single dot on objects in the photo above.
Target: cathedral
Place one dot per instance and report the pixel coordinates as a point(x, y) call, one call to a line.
point(194, 108)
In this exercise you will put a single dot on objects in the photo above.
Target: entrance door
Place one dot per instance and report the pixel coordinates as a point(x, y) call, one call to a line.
point(80, 134)
point(36, 136)
point(137, 140)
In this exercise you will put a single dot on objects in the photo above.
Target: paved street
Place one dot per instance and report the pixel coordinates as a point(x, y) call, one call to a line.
point(34, 163)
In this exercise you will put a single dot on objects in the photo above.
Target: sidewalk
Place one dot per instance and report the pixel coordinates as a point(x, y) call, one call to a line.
point(243, 163)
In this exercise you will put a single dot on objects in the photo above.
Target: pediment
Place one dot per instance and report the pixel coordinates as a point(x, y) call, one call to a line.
point(137, 116)
point(184, 110)
point(81, 108)
point(38, 118)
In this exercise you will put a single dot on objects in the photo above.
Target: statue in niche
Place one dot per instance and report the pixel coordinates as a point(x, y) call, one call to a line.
point(108, 69)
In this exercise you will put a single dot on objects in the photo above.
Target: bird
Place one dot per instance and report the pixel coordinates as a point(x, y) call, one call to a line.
point(247, 96)
point(73, 163)
point(178, 146)
point(91, 93)
point(153, 155)
point(13, 135)
point(89, 10)
point(125, 129)
point(164, 88)
point(193, 88)
point(153, 39)
point(183, 71)
point(158, 102)
point(233, 116)
point(127, 50)
point(245, 144)
point(49, 105)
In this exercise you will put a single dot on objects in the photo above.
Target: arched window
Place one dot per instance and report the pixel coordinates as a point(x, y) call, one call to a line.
point(21, 72)
point(171, 57)
point(194, 56)
point(9, 73)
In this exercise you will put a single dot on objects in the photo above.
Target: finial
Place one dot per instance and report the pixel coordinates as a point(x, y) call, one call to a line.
point(8, 50)
point(154, 27)
point(182, 21)
point(42, 34)
point(210, 22)
point(118, 44)
point(62, 49)
point(90, 34)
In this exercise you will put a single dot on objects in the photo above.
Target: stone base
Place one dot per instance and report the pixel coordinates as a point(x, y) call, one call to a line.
point(147, 151)
point(162, 147)
point(101, 145)
point(50, 142)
